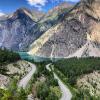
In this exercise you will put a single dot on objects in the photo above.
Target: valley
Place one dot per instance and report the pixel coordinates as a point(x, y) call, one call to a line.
point(52, 54)
point(65, 78)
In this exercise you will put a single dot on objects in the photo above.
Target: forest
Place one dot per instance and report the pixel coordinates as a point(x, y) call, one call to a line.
point(7, 57)
point(13, 92)
point(74, 67)
point(43, 85)
point(69, 70)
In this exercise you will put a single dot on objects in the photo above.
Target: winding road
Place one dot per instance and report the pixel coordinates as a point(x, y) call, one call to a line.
point(23, 82)
point(66, 94)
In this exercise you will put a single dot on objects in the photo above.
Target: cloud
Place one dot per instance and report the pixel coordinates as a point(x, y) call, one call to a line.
point(39, 7)
point(37, 3)
point(1, 13)
point(41, 3)
point(72, 0)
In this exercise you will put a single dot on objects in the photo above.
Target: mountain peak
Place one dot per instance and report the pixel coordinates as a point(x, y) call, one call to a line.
point(60, 6)
point(23, 10)
point(19, 13)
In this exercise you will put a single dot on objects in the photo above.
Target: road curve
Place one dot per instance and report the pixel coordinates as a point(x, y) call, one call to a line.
point(23, 82)
point(66, 94)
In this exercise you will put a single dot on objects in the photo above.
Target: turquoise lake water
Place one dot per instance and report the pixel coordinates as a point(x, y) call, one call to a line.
point(25, 55)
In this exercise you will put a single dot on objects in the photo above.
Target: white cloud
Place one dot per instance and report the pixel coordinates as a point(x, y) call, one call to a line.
point(40, 3)
point(37, 3)
point(1, 13)
point(39, 7)
point(72, 0)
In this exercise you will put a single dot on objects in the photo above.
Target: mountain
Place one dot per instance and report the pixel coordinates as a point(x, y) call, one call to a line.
point(18, 30)
point(77, 31)
point(37, 15)
point(52, 14)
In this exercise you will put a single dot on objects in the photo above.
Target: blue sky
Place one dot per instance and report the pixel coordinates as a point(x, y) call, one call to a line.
point(9, 6)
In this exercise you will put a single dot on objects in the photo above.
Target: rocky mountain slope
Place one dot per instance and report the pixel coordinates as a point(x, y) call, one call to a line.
point(77, 31)
point(14, 70)
point(91, 83)
point(19, 29)
point(37, 15)
point(15, 31)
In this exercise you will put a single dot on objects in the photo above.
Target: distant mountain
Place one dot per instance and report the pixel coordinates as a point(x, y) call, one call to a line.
point(77, 33)
point(13, 29)
point(19, 29)
point(37, 15)
point(3, 17)
point(52, 14)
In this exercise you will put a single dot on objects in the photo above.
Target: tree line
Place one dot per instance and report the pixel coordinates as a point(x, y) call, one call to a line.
point(74, 67)
point(7, 57)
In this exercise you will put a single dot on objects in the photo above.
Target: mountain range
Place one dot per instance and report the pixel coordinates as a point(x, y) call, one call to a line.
point(75, 35)
point(64, 31)
point(21, 28)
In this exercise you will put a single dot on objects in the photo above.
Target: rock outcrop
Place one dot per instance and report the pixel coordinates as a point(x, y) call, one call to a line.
point(18, 30)
point(76, 28)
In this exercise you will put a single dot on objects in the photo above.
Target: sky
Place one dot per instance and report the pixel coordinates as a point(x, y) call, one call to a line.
point(9, 6)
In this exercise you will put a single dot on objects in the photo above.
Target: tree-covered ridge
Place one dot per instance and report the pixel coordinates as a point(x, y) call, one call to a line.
point(8, 56)
point(74, 67)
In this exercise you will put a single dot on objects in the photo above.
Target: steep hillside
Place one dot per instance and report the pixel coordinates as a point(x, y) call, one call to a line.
point(37, 15)
point(83, 75)
point(76, 28)
point(52, 16)
point(18, 30)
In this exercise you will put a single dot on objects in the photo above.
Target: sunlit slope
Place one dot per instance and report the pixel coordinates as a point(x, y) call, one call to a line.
point(42, 40)
point(76, 34)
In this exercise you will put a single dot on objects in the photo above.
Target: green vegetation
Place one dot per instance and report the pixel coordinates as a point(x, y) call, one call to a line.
point(7, 57)
point(69, 70)
point(43, 85)
point(84, 95)
point(74, 68)
point(13, 92)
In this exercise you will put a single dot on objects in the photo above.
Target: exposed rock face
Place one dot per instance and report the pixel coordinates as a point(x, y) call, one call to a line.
point(15, 70)
point(63, 32)
point(75, 29)
point(18, 30)
point(90, 82)
point(61, 43)
point(37, 15)
point(4, 80)
point(66, 38)
point(51, 17)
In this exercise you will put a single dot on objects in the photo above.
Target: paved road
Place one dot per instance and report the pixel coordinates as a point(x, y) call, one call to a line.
point(23, 82)
point(66, 94)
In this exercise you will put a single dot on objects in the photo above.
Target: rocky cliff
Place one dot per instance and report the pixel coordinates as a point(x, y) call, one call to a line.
point(77, 27)
point(18, 30)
